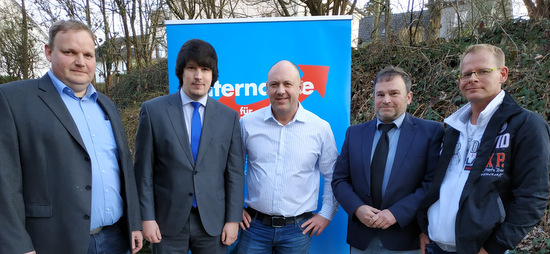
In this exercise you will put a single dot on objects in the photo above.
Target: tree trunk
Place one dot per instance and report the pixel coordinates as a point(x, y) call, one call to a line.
point(434, 8)
point(25, 44)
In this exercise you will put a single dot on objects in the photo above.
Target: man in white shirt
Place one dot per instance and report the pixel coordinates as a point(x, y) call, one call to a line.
point(491, 185)
point(288, 149)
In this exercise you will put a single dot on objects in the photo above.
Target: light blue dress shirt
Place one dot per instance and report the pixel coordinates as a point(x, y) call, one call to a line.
point(95, 130)
point(285, 163)
point(393, 137)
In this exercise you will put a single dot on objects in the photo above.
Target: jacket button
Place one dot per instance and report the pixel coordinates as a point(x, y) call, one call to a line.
point(190, 194)
point(87, 158)
point(195, 172)
point(86, 217)
point(88, 187)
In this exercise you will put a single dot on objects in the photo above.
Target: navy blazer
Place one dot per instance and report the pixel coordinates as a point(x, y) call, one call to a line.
point(413, 168)
point(45, 172)
point(167, 176)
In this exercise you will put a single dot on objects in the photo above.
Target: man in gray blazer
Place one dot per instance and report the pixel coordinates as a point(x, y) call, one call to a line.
point(189, 161)
point(66, 179)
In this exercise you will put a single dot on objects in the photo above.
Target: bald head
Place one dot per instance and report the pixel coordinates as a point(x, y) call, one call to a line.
point(285, 66)
point(283, 88)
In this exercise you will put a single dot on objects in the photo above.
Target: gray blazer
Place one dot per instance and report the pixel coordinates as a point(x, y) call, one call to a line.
point(167, 177)
point(45, 172)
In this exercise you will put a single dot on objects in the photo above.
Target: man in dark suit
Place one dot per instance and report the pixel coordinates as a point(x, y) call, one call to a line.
point(381, 192)
point(66, 178)
point(191, 185)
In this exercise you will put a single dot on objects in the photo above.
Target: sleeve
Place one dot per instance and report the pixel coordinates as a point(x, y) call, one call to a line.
point(143, 166)
point(132, 199)
point(234, 179)
point(15, 238)
point(328, 157)
point(341, 179)
point(529, 185)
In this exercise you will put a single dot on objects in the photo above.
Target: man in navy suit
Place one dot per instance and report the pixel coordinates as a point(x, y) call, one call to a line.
point(382, 213)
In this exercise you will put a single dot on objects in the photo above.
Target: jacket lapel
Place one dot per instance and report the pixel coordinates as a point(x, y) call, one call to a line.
point(406, 137)
point(209, 126)
point(175, 114)
point(506, 109)
point(366, 147)
point(51, 98)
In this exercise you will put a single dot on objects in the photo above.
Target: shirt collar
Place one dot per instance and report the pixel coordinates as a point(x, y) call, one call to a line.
point(398, 121)
point(460, 118)
point(91, 92)
point(186, 100)
point(300, 115)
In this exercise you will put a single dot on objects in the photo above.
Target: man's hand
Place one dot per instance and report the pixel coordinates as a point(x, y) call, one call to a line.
point(316, 225)
point(365, 213)
point(137, 241)
point(246, 220)
point(151, 231)
point(383, 219)
point(32, 252)
point(424, 240)
point(230, 232)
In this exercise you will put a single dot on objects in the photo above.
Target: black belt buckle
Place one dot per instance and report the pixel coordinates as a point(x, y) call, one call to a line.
point(278, 221)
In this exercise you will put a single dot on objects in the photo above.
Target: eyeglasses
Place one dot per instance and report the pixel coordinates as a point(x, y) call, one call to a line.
point(480, 73)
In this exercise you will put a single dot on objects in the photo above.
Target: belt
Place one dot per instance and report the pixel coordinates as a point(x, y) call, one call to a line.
point(95, 231)
point(275, 220)
point(446, 248)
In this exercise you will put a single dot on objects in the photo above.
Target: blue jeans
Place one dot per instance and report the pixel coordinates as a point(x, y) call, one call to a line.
point(109, 241)
point(433, 248)
point(262, 239)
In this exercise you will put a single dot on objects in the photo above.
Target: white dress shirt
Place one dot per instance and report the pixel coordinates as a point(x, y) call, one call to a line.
point(285, 163)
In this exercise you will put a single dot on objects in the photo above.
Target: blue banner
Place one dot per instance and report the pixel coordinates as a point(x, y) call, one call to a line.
point(247, 48)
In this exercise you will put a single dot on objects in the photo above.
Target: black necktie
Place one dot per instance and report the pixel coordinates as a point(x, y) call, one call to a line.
point(378, 164)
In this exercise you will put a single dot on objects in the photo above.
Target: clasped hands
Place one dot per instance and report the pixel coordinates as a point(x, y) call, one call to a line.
point(375, 218)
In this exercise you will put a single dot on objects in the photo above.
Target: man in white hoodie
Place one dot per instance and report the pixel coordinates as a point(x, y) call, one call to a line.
point(491, 183)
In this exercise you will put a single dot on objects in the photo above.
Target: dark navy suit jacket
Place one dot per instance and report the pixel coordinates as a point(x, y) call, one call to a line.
point(413, 167)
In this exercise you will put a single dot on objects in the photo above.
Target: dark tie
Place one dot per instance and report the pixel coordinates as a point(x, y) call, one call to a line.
point(196, 129)
point(378, 164)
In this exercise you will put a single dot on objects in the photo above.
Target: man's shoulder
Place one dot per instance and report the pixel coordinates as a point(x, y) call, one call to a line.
point(366, 124)
point(426, 122)
point(254, 115)
point(313, 118)
point(224, 109)
point(19, 85)
point(161, 99)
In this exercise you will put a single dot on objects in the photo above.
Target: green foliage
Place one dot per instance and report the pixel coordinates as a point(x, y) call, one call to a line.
point(434, 70)
point(7, 79)
point(130, 90)
point(140, 84)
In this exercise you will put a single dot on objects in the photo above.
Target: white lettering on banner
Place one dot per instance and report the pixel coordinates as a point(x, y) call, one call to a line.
point(308, 88)
point(245, 110)
point(229, 90)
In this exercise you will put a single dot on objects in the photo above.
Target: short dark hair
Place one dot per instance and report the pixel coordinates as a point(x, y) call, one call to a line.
point(65, 25)
point(200, 52)
point(389, 72)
